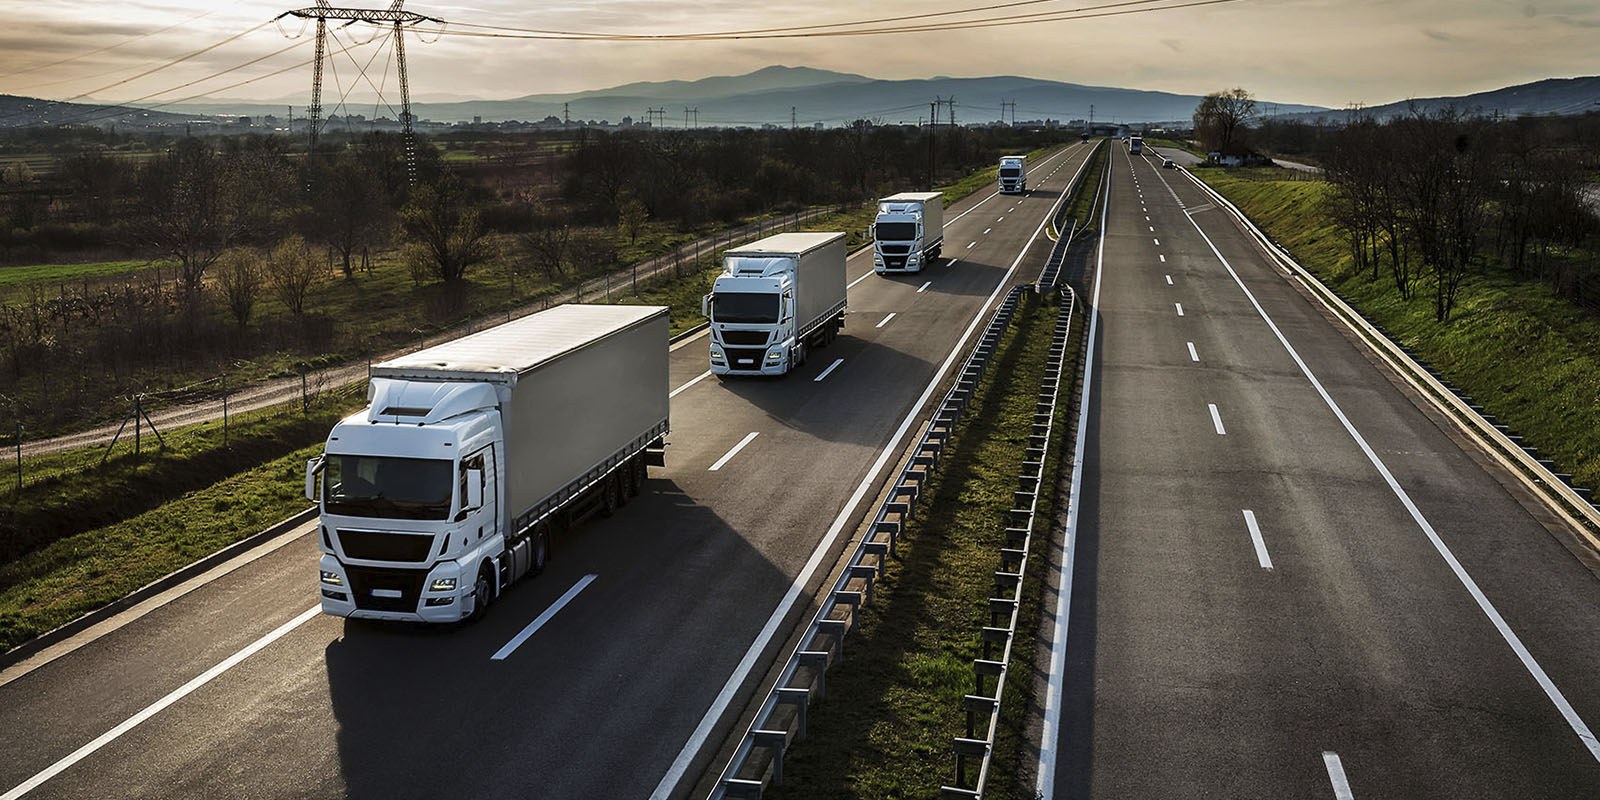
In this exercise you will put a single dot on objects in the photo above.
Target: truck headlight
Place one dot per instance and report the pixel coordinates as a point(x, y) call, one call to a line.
point(716, 352)
point(332, 578)
point(774, 355)
point(442, 585)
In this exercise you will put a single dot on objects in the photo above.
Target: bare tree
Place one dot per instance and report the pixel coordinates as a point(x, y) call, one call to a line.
point(348, 209)
point(547, 245)
point(1221, 116)
point(240, 275)
point(188, 216)
point(291, 270)
point(448, 231)
point(631, 218)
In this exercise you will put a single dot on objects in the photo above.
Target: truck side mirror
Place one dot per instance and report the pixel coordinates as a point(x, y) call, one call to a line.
point(872, 231)
point(705, 306)
point(313, 472)
point(474, 499)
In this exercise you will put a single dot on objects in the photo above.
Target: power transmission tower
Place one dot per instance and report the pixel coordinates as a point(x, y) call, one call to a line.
point(657, 115)
point(794, 116)
point(1011, 104)
point(687, 111)
point(394, 16)
point(566, 115)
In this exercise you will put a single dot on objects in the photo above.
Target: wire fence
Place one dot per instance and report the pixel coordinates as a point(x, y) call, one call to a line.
point(214, 400)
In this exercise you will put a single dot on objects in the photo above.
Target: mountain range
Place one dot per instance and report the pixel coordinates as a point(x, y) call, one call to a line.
point(1558, 96)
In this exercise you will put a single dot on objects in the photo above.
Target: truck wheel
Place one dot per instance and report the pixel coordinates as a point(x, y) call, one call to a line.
point(642, 470)
point(541, 548)
point(622, 478)
point(634, 476)
point(482, 593)
point(608, 496)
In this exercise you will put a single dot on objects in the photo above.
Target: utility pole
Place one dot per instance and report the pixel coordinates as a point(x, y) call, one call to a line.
point(794, 116)
point(1091, 119)
point(394, 16)
point(566, 115)
point(933, 147)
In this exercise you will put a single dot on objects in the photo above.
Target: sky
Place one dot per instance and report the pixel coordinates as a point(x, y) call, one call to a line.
point(1332, 53)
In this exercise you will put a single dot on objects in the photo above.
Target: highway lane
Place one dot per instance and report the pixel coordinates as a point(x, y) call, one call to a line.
point(602, 698)
point(1324, 636)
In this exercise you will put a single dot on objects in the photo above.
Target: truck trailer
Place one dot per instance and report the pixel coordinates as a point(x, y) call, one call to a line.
point(775, 300)
point(1013, 174)
point(447, 488)
point(1136, 144)
point(908, 232)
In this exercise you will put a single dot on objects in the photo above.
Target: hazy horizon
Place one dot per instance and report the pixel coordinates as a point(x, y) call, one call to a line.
point(1330, 53)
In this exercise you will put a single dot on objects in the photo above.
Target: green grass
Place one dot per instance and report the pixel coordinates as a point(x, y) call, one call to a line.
point(1082, 206)
point(90, 533)
point(1529, 358)
point(49, 276)
point(894, 705)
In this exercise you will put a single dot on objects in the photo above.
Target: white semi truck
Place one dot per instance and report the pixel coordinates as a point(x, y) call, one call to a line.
point(1136, 144)
point(448, 487)
point(908, 232)
point(1013, 174)
point(775, 300)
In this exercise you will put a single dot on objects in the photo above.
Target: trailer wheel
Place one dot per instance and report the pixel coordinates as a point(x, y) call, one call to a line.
point(608, 496)
point(642, 470)
point(634, 478)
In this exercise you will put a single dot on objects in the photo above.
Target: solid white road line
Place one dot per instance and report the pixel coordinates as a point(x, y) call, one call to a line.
point(885, 320)
point(1169, 280)
point(924, 287)
point(724, 698)
point(1341, 784)
point(735, 451)
point(1216, 420)
point(158, 706)
point(1559, 700)
point(1045, 773)
point(1180, 308)
point(539, 621)
point(1255, 533)
point(829, 370)
point(696, 379)
point(1193, 356)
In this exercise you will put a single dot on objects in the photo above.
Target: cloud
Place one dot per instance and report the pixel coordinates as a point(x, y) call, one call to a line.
point(1438, 36)
point(1175, 45)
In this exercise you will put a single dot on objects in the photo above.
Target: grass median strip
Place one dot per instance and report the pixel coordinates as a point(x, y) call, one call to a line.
point(893, 706)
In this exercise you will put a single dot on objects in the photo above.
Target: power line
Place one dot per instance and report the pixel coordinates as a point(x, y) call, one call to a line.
point(99, 50)
point(174, 62)
point(1062, 15)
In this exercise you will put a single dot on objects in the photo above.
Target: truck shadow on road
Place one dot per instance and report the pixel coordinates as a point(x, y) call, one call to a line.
point(597, 703)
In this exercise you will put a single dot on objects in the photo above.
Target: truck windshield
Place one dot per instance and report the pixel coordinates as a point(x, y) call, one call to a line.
point(381, 486)
point(744, 307)
point(897, 231)
point(1010, 172)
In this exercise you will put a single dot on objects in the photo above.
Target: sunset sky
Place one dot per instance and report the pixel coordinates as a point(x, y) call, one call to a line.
point(1324, 52)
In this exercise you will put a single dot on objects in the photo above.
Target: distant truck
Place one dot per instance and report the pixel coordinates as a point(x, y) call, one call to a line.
point(775, 300)
point(1013, 174)
point(908, 232)
point(448, 487)
point(1083, 137)
point(1136, 144)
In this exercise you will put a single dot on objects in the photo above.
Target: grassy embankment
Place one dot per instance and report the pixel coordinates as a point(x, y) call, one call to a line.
point(87, 535)
point(1082, 206)
point(894, 705)
point(1531, 359)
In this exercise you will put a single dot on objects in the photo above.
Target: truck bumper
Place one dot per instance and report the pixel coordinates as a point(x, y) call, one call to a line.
point(379, 602)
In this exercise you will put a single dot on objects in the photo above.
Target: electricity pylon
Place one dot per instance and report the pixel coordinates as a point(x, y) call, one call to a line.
point(393, 15)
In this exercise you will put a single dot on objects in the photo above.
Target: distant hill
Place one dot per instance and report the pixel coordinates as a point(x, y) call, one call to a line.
point(766, 96)
point(1556, 96)
point(31, 112)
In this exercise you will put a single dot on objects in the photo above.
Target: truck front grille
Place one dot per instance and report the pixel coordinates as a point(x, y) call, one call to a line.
point(382, 546)
point(743, 337)
point(408, 582)
point(745, 357)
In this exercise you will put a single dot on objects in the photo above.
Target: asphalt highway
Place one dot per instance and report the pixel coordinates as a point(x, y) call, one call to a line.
point(1288, 580)
point(619, 671)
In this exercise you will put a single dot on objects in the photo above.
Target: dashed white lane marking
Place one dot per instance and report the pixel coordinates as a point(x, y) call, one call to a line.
point(1169, 280)
point(1163, 259)
point(1341, 784)
point(1152, 229)
point(1193, 356)
point(1179, 306)
point(986, 231)
point(539, 621)
point(885, 320)
point(971, 245)
point(735, 451)
point(1255, 539)
point(1157, 241)
point(829, 370)
point(1216, 419)
point(924, 287)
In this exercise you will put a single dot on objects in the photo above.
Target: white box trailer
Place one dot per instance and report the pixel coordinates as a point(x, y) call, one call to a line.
point(908, 231)
point(447, 487)
point(775, 300)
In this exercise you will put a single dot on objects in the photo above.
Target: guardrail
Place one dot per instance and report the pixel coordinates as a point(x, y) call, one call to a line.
point(1050, 275)
point(1005, 604)
point(1576, 502)
point(781, 717)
